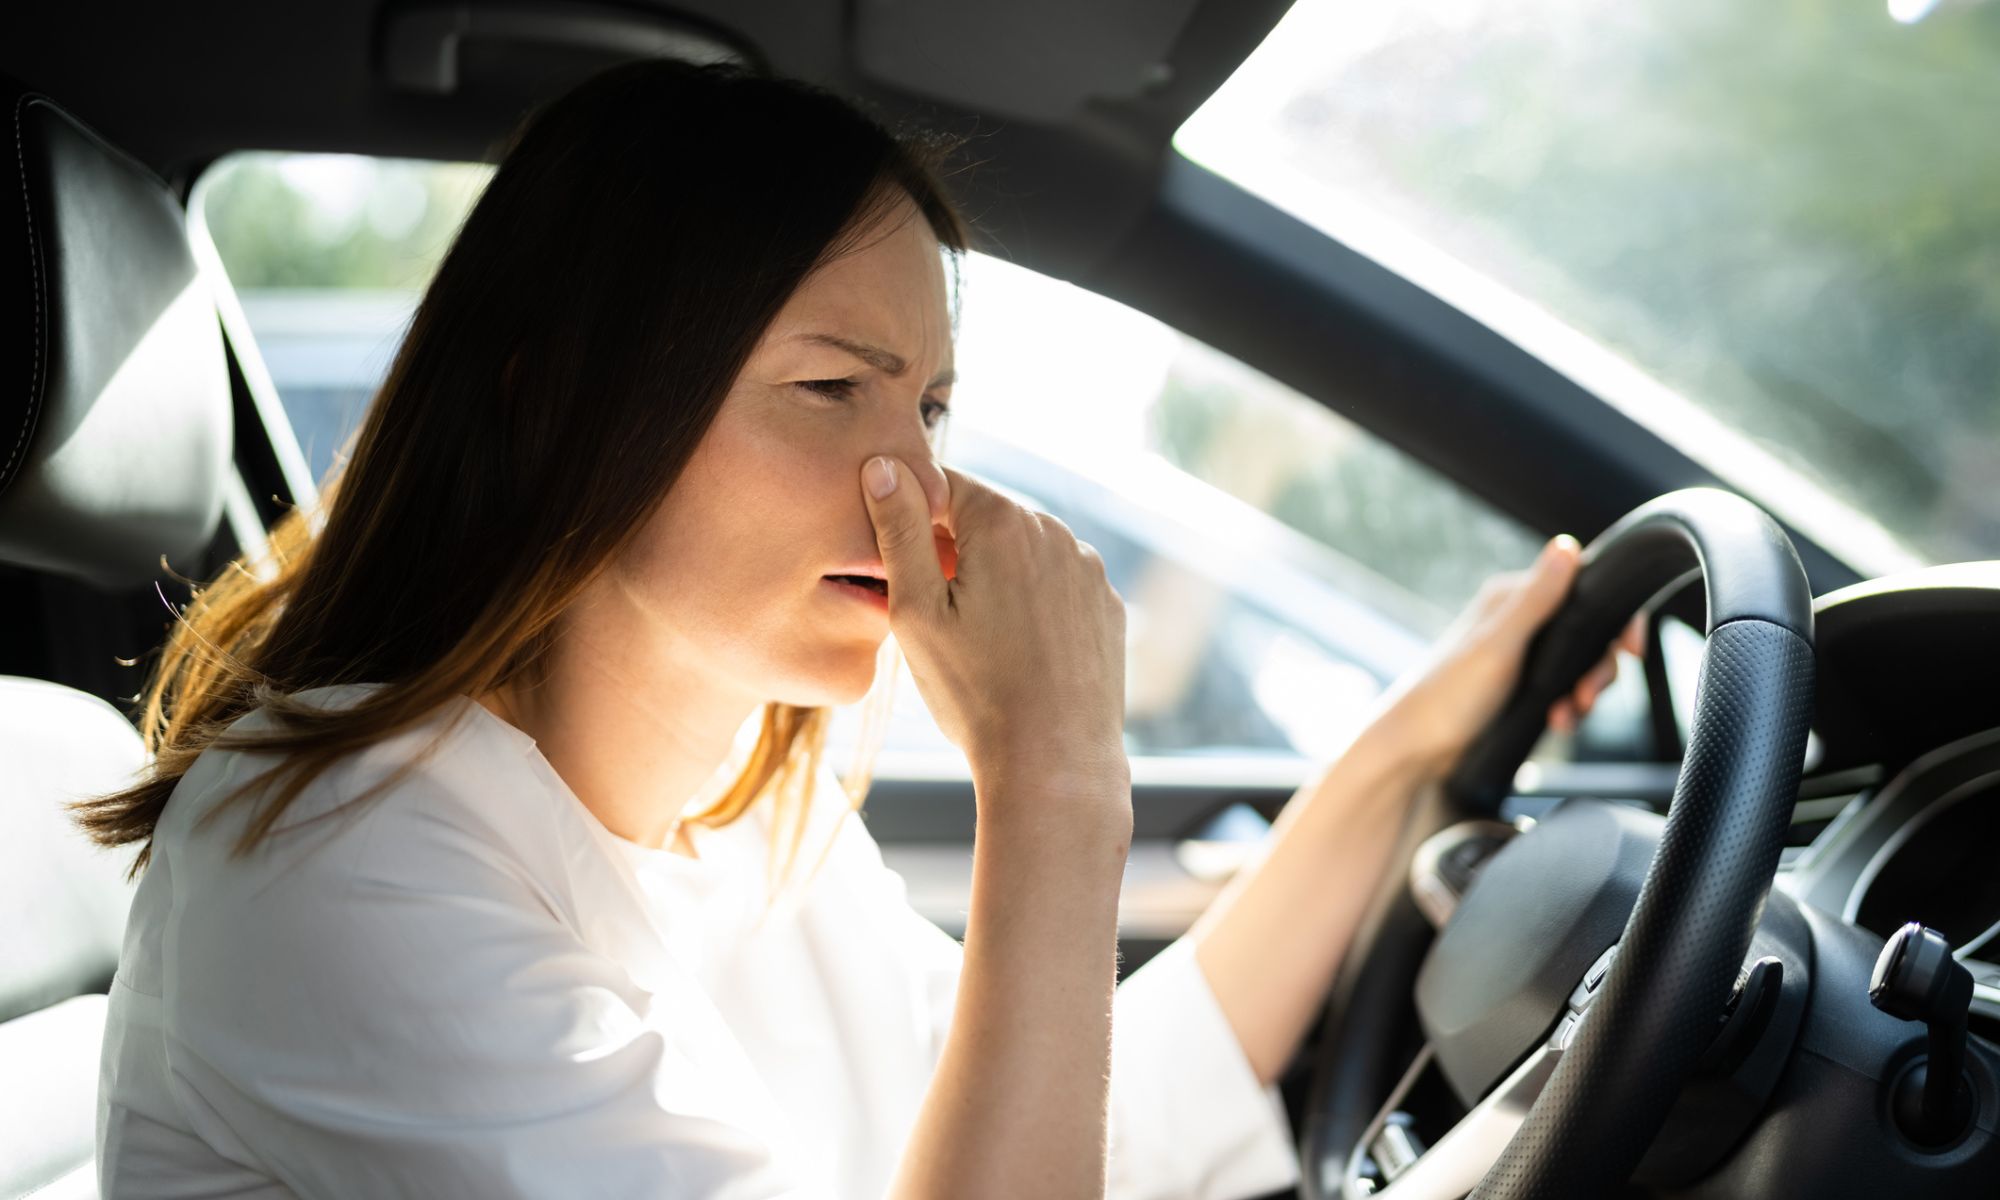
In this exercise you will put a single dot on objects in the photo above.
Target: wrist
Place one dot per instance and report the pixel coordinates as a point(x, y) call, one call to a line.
point(1066, 797)
point(1069, 771)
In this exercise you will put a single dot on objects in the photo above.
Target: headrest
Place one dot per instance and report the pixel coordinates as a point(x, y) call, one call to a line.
point(115, 429)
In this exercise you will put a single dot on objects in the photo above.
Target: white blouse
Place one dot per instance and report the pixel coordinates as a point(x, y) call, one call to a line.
point(468, 986)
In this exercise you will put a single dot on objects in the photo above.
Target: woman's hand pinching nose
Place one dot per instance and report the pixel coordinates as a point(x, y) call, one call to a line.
point(1031, 620)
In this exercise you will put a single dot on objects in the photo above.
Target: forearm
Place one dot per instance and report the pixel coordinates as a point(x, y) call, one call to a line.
point(1270, 943)
point(1017, 1106)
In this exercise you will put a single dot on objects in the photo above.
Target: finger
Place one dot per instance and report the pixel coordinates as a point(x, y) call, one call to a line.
point(1593, 684)
point(901, 515)
point(1562, 718)
point(1584, 698)
point(1547, 583)
point(963, 493)
point(968, 496)
point(1633, 640)
point(936, 482)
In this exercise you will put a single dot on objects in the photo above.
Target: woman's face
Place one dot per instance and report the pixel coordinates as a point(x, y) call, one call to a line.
point(729, 577)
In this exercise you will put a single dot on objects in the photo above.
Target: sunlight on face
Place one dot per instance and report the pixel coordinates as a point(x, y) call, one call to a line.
point(730, 573)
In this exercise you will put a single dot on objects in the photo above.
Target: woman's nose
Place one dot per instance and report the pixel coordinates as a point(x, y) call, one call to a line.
point(920, 455)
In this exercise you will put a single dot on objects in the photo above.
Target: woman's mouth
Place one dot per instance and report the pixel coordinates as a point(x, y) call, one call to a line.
point(866, 589)
point(879, 586)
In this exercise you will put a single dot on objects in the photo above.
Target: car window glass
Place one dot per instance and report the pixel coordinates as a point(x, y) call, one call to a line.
point(327, 254)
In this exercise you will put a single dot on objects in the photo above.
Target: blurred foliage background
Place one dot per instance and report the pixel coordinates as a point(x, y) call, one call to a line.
point(1787, 211)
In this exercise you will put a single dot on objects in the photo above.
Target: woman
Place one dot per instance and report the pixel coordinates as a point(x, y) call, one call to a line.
point(457, 873)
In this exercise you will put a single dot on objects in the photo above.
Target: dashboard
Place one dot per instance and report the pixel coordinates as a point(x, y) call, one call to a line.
point(1906, 787)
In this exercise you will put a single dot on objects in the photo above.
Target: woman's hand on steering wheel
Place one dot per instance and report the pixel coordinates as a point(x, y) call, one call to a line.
point(1435, 711)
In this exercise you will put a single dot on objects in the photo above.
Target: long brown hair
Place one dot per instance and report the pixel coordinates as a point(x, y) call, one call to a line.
point(639, 235)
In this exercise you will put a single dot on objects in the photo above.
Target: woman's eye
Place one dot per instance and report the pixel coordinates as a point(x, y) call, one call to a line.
point(834, 389)
point(933, 411)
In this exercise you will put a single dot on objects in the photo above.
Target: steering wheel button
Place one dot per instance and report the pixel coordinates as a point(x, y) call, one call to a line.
point(1593, 979)
point(1565, 1031)
point(1599, 969)
point(1396, 1148)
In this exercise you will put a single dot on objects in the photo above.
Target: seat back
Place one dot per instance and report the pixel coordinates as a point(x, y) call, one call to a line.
point(115, 441)
point(62, 915)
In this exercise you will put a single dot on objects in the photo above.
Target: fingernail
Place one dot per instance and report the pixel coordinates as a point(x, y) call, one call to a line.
point(881, 477)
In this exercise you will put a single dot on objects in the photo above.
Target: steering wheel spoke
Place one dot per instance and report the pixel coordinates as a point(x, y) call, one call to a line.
point(1383, 1162)
point(1455, 1164)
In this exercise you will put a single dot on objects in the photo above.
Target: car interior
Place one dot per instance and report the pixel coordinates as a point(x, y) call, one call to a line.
point(1769, 873)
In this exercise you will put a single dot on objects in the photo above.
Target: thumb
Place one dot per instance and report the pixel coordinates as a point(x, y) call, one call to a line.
point(902, 518)
point(1548, 583)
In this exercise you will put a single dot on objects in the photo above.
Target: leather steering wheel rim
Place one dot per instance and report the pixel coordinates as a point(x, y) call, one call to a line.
point(1690, 928)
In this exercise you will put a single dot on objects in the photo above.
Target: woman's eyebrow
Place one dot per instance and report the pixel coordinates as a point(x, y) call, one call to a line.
point(888, 362)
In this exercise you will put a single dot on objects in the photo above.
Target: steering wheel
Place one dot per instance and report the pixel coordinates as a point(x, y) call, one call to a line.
point(1570, 1054)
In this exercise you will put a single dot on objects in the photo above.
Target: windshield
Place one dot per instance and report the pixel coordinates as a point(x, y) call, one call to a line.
point(1767, 231)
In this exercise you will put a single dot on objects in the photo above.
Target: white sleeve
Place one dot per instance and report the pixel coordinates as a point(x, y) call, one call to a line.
point(1188, 1119)
point(416, 1020)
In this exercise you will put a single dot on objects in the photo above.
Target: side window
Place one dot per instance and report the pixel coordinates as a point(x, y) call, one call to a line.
point(328, 254)
point(1279, 564)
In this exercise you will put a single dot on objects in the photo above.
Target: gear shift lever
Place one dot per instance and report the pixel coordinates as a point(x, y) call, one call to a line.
point(1917, 979)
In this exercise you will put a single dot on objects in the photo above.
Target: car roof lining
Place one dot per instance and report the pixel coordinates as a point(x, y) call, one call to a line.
point(1071, 107)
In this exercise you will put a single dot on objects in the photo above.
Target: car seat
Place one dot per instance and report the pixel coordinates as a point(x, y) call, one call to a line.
point(116, 441)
